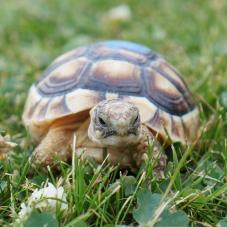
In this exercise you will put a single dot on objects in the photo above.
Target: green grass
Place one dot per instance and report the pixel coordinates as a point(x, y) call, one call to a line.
point(190, 34)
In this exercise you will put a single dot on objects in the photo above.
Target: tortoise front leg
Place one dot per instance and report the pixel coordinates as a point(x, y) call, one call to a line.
point(55, 145)
point(158, 157)
point(87, 149)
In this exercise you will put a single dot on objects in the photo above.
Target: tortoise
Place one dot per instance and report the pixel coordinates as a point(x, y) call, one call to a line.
point(114, 96)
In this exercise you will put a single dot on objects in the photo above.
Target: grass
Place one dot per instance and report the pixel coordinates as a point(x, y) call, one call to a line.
point(190, 34)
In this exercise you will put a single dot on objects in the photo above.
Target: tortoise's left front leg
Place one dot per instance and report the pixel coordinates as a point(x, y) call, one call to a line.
point(157, 155)
point(55, 145)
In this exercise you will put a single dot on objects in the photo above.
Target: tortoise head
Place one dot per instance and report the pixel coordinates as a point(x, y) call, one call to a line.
point(115, 123)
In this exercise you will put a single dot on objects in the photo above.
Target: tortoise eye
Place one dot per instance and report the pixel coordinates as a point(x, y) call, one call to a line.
point(102, 122)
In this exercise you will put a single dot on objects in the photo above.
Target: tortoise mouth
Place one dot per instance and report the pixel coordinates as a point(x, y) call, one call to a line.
point(117, 141)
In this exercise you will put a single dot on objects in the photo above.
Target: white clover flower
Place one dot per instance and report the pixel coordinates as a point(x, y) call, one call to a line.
point(48, 199)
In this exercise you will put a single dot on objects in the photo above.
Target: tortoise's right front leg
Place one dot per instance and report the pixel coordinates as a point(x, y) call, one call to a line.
point(158, 156)
point(55, 145)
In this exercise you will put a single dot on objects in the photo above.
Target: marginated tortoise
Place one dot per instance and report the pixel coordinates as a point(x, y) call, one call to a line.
point(114, 96)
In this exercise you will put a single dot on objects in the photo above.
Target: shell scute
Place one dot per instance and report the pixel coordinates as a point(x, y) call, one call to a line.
point(57, 107)
point(177, 127)
point(41, 112)
point(164, 94)
point(83, 99)
point(103, 52)
point(64, 78)
point(108, 75)
point(174, 77)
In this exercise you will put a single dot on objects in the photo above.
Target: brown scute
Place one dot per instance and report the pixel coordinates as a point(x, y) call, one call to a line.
point(185, 129)
point(174, 77)
point(31, 110)
point(32, 104)
point(164, 94)
point(160, 122)
point(63, 78)
point(42, 109)
point(68, 56)
point(171, 74)
point(69, 71)
point(179, 128)
point(162, 85)
point(155, 120)
point(103, 52)
point(58, 107)
point(163, 122)
point(83, 99)
point(134, 56)
point(176, 127)
point(190, 124)
point(167, 129)
point(115, 73)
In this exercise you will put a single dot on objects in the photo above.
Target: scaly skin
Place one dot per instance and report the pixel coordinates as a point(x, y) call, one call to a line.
point(55, 145)
point(157, 155)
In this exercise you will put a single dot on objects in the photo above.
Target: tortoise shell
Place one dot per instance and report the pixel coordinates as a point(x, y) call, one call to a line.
point(81, 78)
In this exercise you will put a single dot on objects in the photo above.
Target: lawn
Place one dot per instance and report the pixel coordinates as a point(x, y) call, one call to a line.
point(192, 36)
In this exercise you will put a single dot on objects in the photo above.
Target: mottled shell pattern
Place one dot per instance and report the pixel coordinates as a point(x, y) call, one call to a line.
point(81, 78)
